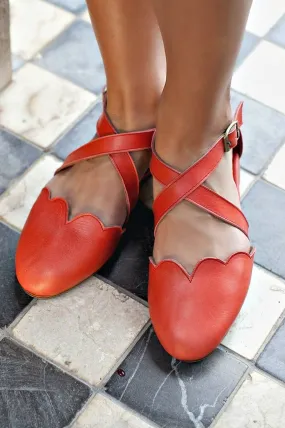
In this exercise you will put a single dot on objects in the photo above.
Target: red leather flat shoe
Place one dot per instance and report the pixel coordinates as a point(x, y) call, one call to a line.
point(55, 254)
point(191, 313)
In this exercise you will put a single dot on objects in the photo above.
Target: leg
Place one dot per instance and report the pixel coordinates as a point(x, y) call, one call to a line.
point(134, 60)
point(202, 40)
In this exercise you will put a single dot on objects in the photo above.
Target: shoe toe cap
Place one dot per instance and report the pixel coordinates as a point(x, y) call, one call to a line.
point(54, 254)
point(191, 314)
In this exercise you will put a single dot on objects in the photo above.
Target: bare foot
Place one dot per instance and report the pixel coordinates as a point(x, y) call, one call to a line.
point(188, 234)
point(94, 186)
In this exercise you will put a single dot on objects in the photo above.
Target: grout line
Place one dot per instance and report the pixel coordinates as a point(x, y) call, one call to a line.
point(97, 101)
point(231, 397)
point(8, 332)
point(34, 351)
point(275, 186)
point(122, 289)
point(20, 137)
point(129, 409)
point(246, 376)
point(10, 226)
point(66, 26)
point(19, 317)
point(15, 182)
point(82, 410)
point(120, 360)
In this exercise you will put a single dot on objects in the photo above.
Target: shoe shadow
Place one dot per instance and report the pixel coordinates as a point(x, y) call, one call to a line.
point(128, 267)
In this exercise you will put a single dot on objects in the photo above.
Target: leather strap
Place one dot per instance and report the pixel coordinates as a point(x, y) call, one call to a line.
point(188, 185)
point(118, 147)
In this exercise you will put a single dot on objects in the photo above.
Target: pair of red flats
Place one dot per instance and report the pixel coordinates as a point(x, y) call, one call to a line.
point(191, 313)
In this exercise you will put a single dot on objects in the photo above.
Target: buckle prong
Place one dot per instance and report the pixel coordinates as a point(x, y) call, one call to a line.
point(227, 143)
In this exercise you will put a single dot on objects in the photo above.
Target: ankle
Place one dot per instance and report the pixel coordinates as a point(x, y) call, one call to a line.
point(185, 133)
point(133, 111)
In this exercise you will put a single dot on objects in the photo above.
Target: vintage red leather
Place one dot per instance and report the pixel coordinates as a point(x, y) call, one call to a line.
point(191, 313)
point(55, 254)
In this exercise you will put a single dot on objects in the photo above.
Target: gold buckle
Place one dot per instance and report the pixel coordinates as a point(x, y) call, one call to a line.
point(227, 143)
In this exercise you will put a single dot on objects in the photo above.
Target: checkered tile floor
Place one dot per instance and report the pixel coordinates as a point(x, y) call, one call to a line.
point(89, 358)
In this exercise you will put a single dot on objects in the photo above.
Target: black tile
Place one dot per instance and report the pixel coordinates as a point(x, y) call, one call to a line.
point(13, 298)
point(129, 265)
point(35, 394)
point(15, 157)
point(264, 206)
point(171, 393)
point(80, 134)
point(74, 6)
point(272, 359)
point(248, 44)
point(75, 55)
point(263, 131)
point(277, 34)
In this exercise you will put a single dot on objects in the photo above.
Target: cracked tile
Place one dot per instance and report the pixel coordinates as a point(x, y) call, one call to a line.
point(31, 31)
point(40, 106)
point(260, 403)
point(263, 306)
point(86, 330)
point(16, 204)
point(35, 394)
point(174, 394)
point(102, 412)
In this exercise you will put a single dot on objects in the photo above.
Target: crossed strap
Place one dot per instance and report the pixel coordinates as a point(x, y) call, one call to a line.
point(189, 185)
point(118, 147)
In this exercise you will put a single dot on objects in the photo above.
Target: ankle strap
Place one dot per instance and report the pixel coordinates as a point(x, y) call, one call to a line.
point(188, 185)
point(118, 147)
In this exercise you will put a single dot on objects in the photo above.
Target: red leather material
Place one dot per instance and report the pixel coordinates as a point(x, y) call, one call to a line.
point(191, 313)
point(203, 196)
point(55, 254)
point(110, 144)
point(187, 181)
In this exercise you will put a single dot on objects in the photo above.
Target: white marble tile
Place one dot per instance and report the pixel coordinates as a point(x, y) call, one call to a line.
point(263, 306)
point(17, 202)
point(39, 105)
point(264, 15)
point(245, 180)
point(105, 413)
point(260, 403)
point(261, 76)
point(275, 172)
point(85, 15)
point(34, 23)
point(86, 330)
